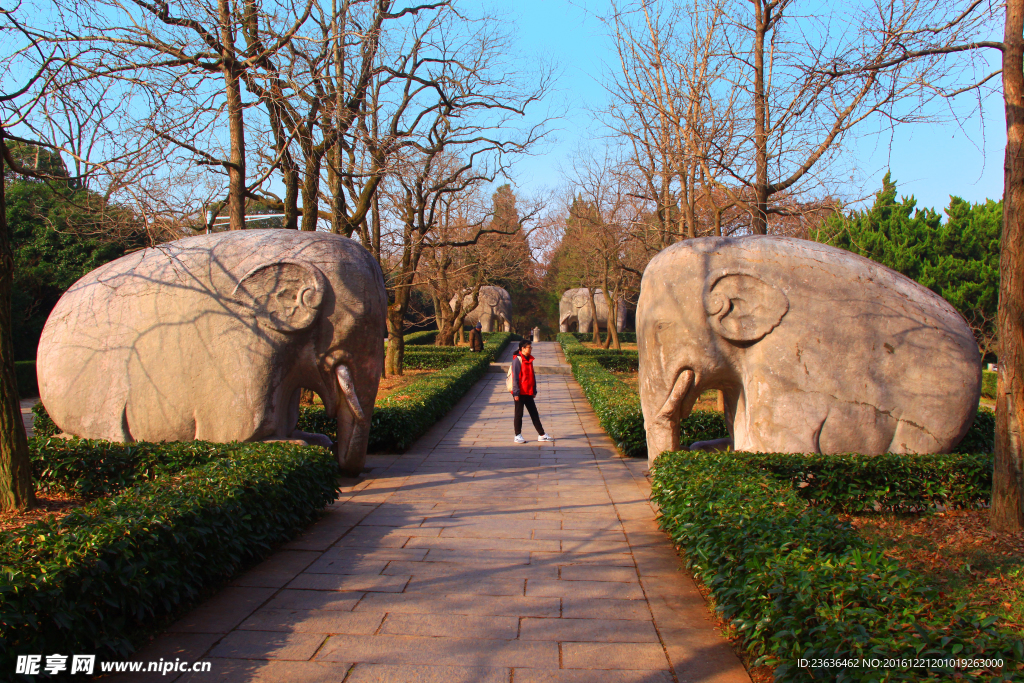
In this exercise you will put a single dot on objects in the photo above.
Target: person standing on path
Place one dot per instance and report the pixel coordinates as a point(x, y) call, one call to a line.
point(476, 339)
point(524, 389)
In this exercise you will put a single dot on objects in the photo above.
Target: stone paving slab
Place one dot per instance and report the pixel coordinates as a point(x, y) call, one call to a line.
point(471, 558)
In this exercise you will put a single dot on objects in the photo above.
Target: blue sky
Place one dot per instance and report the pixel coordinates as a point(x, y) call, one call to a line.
point(930, 161)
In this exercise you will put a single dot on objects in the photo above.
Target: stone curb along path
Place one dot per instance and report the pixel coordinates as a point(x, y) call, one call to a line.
point(470, 559)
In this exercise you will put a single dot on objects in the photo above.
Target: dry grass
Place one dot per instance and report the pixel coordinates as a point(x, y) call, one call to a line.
point(960, 555)
point(54, 505)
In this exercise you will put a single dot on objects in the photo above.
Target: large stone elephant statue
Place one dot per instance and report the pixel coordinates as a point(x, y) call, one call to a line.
point(213, 337)
point(493, 310)
point(815, 349)
point(574, 307)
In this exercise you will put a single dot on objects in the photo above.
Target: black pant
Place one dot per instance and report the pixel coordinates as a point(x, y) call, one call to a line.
point(534, 415)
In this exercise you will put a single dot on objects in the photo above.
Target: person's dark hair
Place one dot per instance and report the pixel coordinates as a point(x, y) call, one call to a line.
point(523, 344)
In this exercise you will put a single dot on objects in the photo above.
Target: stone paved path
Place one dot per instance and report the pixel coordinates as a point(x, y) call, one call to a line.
point(470, 558)
point(27, 417)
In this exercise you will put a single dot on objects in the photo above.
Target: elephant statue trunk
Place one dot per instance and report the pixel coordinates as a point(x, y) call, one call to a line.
point(353, 424)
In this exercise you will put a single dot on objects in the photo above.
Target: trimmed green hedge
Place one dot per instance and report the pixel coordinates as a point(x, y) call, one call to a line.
point(25, 375)
point(618, 406)
point(398, 420)
point(624, 337)
point(981, 437)
point(108, 571)
point(893, 483)
point(420, 338)
point(989, 380)
point(84, 467)
point(432, 357)
point(42, 425)
point(616, 361)
point(797, 582)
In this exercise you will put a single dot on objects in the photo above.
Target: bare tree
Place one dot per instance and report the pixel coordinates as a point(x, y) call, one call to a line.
point(674, 109)
point(458, 266)
point(1008, 477)
point(16, 491)
point(600, 228)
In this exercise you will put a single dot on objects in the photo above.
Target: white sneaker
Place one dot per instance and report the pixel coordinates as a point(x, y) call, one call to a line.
point(519, 439)
point(544, 437)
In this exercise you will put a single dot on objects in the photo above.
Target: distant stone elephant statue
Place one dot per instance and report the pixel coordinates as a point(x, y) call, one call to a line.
point(574, 308)
point(493, 310)
point(213, 337)
point(817, 350)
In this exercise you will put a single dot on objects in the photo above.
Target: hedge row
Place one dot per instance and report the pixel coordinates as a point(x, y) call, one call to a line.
point(432, 357)
point(84, 467)
point(624, 337)
point(107, 571)
point(25, 376)
point(423, 338)
point(616, 361)
point(988, 383)
point(889, 482)
point(796, 582)
point(42, 425)
point(618, 406)
point(398, 420)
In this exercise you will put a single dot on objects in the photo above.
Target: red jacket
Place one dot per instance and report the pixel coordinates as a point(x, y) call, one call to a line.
point(523, 381)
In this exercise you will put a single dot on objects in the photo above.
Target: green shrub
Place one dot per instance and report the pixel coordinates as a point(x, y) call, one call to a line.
point(703, 425)
point(988, 383)
point(423, 338)
point(796, 582)
point(106, 572)
point(25, 375)
point(432, 357)
point(981, 437)
point(42, 425)
point(84, 467)
point(398, 420)
point(618, 407)
point(616, 361)
point(889, 482)
point(624, 337)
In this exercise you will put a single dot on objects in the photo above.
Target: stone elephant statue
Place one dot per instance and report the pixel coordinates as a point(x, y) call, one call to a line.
point(493, 310)
point(213, 337)
point(816, 350)
point(574, 307)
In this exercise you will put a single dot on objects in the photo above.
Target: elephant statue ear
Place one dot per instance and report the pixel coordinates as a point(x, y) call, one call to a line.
point(741, 307)
point(580, 300)
point(284, 296)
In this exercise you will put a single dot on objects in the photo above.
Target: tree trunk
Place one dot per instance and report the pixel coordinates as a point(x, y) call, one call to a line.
point(612, 337)
point(15, 466)
point(236, 126)
point(444, 316)
point(595, 328)
point(1008, 476)
point(311, 190)
point(396, 340)
point(610, 330)
point(759, 215)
